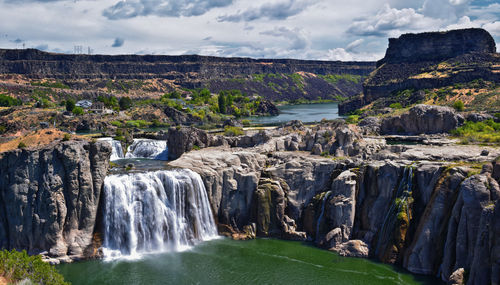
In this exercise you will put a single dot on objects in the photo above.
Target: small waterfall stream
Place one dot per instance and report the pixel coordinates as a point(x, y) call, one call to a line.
point(166, 210)
point(147, 148)
point(400, 203)
point(117, 150)
point(322, 213)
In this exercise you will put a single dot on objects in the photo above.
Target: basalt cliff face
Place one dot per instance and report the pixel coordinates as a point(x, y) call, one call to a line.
point(394, 203)
point(49, 197)
point(191, 71)
point(430, 60)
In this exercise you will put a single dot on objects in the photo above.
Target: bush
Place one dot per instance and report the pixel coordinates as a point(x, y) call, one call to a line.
point(246, 123)
point(396, 106)
point(21, 145)
point(18, 266)
point(137, 124)
point(479, 132)
point(117, 124)
point(233, 131)
point(70, 105)
point(125, 103)
point(66, 137)
point(458, 105)
point(352, 119)
point(77, 111)
point(7, 101)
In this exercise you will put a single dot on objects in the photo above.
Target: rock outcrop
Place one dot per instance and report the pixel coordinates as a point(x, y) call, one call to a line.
point(436, 46)
point(183, 139)
point(427, 61)
point(49, 197)
point(422, 119)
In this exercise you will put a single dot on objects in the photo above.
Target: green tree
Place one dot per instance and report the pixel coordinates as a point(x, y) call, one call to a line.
point(125, 103)
point(70, 105)
point(78, 111)
point(7, 101)
point(222, 103)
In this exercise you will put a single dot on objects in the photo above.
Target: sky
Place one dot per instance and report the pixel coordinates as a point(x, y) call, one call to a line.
point(303, 29)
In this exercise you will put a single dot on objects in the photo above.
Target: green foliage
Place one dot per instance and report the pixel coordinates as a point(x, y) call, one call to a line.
point(125, 103)
point(479, 132)
point(137, 124)
point(497, 115)
point(51, 84)
point(157, 124)
point(458, 105)
point(21, 145)
point(335, 78)
point(259, 77)
point(233, 131)
point(195, 147)
point(172, 95)
point(3, 129)
point(109, 101)
point(77, 111)
point(70, 105)
point(222, 103)
point(352, 119)
point(18, 266)
point(66, 137)
point(246, 122)
point(396, 106)
point(7, 101)
point(117, 124)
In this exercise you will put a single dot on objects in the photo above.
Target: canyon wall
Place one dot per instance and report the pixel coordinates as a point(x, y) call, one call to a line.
point(49, 197)
point(432, 218)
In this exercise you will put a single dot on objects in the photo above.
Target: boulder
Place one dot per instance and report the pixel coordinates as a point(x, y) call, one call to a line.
point(184, 139)
point(266, 107)
point(422, 119)
point(352, 248)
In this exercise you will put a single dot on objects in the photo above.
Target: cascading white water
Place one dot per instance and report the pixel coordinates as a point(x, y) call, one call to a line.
point(158, 211)
point(318, 224)
point(146, 148)
point(117, 150)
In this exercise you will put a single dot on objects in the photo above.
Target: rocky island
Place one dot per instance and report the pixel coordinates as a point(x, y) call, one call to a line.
point(410, 185)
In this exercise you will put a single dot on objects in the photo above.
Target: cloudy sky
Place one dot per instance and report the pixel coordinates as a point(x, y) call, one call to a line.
point(304, 29)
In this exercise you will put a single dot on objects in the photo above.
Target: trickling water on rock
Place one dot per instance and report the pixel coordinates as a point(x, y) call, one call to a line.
point(159, 211)
point(117, 150)
point(147, 148)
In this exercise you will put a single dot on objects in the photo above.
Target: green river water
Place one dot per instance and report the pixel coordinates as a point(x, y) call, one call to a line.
point(224, 261)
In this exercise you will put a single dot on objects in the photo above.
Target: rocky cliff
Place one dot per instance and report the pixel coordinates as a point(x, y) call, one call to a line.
point(49, 197)
point(392, 203)
point(275, 79)
point(430, 60)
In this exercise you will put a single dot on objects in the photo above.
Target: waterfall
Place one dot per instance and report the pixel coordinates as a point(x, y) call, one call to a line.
point(327, 194)
point(159, 211)
point(403, 195)
point(117, 150)
point(146, 148)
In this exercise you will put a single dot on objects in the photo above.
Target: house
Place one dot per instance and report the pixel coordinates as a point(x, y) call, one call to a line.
point(85, 104)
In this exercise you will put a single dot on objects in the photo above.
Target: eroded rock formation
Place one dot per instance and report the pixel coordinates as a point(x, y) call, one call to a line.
point(49, 197)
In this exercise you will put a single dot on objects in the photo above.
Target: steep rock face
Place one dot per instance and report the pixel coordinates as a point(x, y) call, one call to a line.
point(184, 139)
point(422, 119)
point(436, 46)
point(49, 197)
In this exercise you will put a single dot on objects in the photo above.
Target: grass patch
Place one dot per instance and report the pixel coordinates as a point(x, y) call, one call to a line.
point(480, 132)
point(233, 131)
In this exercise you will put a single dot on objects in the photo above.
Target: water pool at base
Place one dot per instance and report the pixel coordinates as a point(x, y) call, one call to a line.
point(225, 261)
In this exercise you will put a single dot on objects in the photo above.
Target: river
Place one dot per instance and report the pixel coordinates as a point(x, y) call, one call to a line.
point(306, 113)
point(225, 261)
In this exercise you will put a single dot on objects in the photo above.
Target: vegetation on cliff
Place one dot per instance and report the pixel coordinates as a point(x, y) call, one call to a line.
point(18, 266)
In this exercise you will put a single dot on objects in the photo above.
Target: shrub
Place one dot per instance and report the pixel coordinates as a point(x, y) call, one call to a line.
point(125, 103)
point(18, 266)
point(137, 123)
point(70, 105)
point(21, 145)
point(246, 123)
point(482, 132)
point(7, 101)
point(66, 137)
point(233, 131)
point(117, 124)
point(77, 111)
point(352, 119)
point(458, 105)
point(396, 106)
